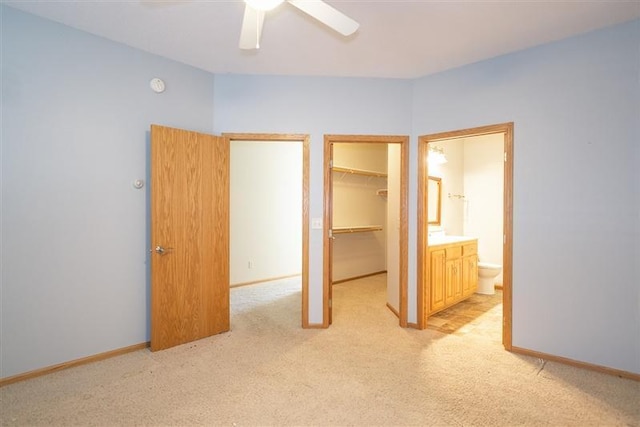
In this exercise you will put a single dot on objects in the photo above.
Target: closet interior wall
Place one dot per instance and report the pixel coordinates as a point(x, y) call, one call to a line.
point(359, 210)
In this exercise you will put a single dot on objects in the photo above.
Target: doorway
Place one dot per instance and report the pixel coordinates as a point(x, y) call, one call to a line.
point(423, 285)
point(402, 229)
point(245, 266)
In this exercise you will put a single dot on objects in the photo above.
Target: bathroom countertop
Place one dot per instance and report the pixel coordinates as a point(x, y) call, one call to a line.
point(445, 240)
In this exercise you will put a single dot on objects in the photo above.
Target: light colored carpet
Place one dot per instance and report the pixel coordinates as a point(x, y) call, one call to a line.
point(364, 370)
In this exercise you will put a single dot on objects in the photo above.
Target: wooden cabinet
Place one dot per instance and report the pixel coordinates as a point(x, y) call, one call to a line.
point(437, 274)
point(469, 269)
point(453, 281)
point(453, 275)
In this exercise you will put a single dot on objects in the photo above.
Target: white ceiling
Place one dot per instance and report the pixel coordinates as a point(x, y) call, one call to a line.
point(400, 39)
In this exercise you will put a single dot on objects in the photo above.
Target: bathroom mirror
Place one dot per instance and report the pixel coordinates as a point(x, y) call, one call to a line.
point(434, 200)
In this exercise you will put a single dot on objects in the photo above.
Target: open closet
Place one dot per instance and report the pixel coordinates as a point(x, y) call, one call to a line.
point(366, 214)
point(369, 231)
point(359, 210)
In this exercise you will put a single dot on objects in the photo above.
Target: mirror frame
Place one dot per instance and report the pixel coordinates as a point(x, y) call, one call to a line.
point(438, 183)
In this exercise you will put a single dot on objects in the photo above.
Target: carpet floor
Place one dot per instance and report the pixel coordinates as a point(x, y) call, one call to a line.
point(363, 370)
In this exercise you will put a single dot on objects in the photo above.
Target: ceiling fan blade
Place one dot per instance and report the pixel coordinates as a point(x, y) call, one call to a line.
point(251, 28)
point(328, 15)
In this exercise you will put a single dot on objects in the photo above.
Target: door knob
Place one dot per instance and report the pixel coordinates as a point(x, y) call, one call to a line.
point(162, 251)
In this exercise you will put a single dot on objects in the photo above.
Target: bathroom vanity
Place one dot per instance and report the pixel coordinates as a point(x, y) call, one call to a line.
point(453, 262)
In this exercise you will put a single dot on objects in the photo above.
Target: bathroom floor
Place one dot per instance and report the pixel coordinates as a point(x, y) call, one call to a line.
point(478, 314)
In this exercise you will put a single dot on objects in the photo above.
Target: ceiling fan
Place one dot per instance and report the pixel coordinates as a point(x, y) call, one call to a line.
point(255, 10)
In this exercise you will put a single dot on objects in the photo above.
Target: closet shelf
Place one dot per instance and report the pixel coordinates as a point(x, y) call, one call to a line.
point(356, 229)
point(359, 171)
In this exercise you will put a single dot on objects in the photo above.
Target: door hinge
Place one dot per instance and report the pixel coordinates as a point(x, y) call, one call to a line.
point(331, 164)
point(330, 303)
point(505, 156)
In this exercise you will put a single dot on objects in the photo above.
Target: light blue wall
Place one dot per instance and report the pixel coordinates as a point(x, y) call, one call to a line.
point(576, 108)
point(76, 111)
point(314, 106)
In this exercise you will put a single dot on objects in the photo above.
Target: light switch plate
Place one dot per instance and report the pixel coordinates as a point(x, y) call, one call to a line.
point(316, 223)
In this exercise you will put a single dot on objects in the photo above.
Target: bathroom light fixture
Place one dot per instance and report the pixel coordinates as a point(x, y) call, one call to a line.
point(436, 155)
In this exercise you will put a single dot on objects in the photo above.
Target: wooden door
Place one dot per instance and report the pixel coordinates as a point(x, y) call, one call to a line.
point(189, 236)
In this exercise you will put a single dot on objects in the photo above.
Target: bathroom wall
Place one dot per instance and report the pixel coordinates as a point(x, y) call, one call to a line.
point(483, 191)
point(452, 174)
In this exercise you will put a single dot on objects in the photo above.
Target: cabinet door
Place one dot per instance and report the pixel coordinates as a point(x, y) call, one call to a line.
point(469, 275)
point(457, 284)
point(437, 277)
point(453, 281)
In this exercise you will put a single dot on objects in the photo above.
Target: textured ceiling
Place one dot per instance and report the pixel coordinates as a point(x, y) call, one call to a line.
point(400, 39)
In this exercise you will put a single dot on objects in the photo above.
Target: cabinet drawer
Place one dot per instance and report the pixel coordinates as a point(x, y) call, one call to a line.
point(453, 252)
point(469, 249)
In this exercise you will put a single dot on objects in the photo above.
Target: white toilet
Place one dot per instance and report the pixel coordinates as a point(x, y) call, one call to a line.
point(486, 275)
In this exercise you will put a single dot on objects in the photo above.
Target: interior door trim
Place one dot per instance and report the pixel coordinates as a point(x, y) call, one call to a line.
point(507, 251)
point(304, 139)
point(328, 212)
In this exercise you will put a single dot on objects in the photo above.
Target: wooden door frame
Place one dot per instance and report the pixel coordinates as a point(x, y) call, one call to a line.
point(329, 140)
point(304, 139)
point(423, 275)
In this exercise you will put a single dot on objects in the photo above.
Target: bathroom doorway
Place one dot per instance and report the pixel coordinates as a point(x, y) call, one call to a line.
point(505, 131)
